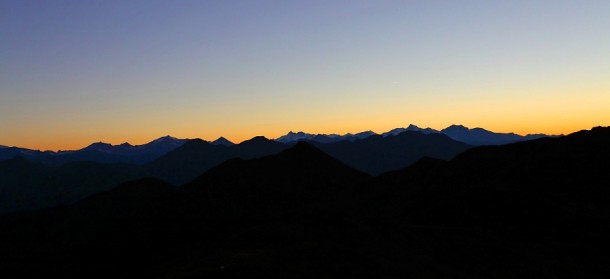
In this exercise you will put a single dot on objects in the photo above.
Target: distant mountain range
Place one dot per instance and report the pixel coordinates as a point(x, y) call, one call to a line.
point(99, 152)
point(292, 137)
point(533, 209)
point(480, 136)
point(140, 154)
point(474, 137)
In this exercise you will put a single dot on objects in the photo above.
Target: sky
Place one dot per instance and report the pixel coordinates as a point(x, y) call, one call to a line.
point(76, 72)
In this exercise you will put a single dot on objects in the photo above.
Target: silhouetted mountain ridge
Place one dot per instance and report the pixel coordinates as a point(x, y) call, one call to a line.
point(373, 155)
point(99, 152)
point(378, 154)
point(474, 137)
point(222, 141)
point(535, 209)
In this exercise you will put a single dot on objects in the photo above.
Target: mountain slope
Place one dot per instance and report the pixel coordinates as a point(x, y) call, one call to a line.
point(197, 156)
point(26, 185)
point(222, 141)
point(479, 136)
point(378, 154)
point(300, 191)
point(541, 205)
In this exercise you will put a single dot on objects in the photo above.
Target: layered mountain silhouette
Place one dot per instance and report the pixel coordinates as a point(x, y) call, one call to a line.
point(99, 152)
point(222, 141)
point(141, 154)
point(378, 154)
point(410, 128)
point(52, 179)
point(474, 137)
point(29, 185)
point(480, 136)
point(197, 156)
point(293, 137)
point(535, 209)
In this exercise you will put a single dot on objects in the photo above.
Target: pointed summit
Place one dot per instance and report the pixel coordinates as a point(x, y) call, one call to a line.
point(222, 141)
point(99, 146)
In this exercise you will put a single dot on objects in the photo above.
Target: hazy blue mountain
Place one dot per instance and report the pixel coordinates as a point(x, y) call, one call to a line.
point(480, 136)
point(126, 153)
point(99, 152)
point(34, 155)
point(475, 137)
point(293, 137)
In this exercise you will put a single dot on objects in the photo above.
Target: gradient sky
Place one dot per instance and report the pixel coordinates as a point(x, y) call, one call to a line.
point(75, 72)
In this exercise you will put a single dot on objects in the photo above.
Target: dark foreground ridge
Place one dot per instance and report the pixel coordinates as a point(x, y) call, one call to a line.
point(537, 209)
point(27, 185)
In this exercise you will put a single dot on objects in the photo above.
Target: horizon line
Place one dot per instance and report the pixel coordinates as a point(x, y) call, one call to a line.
point(276, 138)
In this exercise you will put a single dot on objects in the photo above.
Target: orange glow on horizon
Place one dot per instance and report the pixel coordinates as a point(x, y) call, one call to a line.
point(56, 144)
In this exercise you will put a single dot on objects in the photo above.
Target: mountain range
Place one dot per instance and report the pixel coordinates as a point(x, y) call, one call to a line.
point(141, 154)
point(37, 185)
point(99, 152)
point(36, 179)
point(474, 137)
point(533, 209)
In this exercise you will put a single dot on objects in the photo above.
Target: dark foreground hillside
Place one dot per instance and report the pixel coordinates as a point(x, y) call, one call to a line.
point(31, 185)
point(538, 209)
